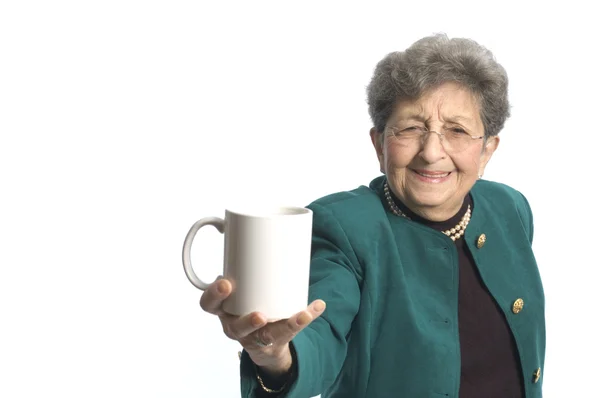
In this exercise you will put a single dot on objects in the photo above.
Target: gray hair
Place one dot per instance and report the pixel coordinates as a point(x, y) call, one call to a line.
point(435, 60)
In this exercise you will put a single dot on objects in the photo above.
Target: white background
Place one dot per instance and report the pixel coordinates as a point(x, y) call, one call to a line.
point(123, 122)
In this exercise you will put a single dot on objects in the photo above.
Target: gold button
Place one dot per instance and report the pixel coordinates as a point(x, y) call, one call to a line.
point(536, 375)
point(518, 305)
point(481, 241)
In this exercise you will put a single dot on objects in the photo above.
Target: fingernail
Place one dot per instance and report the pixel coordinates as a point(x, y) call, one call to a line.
point(319, 306)
point(221, 287)
point(303, 319)
point(256, 321)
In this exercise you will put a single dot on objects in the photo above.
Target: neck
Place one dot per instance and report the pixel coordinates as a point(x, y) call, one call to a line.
point(454, 232)
point(436, 213)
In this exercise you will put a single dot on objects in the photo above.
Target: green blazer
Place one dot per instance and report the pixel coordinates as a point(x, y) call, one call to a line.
point(391, 288)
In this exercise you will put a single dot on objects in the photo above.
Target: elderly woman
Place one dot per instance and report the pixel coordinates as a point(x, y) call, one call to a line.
point(430, 282)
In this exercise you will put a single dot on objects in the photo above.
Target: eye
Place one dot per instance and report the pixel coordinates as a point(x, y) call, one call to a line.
point(457, 130)
point(413, 130)
point(407, 132)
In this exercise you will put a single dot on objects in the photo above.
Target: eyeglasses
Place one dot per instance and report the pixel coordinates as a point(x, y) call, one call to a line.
point(454, 139)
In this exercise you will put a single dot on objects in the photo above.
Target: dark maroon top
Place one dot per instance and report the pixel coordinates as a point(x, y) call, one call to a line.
point(490, 365)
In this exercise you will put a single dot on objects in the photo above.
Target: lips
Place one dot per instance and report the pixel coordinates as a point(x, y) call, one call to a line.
point(434, 177)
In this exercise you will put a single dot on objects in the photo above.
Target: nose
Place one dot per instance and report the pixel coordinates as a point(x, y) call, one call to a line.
point(432, 149)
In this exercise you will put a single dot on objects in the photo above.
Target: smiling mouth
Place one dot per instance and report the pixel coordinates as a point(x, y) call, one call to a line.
point(432, 175)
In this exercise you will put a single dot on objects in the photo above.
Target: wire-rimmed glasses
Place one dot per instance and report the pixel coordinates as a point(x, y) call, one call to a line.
point(454, 139)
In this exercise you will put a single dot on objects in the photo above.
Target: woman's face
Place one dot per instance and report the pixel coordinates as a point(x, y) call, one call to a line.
point(426, 175)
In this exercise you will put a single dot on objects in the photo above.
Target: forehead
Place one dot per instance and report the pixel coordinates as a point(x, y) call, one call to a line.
point(449, 101)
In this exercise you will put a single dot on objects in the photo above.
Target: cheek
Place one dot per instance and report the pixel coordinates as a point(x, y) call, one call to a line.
point(467, 163)
point(397, 156)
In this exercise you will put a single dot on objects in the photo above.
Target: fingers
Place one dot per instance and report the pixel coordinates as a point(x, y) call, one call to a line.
point(282, 332)
point(253, 331)
point(312, 312)
point(237, 328)
point(213, 297)
point(304, 318)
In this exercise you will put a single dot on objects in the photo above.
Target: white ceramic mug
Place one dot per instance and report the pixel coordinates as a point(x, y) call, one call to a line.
point(267, 259)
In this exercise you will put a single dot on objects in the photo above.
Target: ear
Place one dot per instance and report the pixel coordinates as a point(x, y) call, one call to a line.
point(490, 146)
point(377, 141)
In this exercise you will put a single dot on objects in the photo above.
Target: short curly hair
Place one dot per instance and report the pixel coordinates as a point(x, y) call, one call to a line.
point(432, 61)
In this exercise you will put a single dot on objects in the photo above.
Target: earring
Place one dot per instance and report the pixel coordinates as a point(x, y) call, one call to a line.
point(479, 176)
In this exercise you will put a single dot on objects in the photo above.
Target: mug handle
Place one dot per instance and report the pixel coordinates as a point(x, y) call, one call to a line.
point(216, 222)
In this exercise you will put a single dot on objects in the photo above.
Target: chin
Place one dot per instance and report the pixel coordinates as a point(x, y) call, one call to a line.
point(429, 198)
point(428, 201)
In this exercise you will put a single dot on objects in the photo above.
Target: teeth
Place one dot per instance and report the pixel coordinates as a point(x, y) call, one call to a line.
point(434, 175)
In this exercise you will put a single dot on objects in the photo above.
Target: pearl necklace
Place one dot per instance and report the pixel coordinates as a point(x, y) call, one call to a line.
point(454, 233)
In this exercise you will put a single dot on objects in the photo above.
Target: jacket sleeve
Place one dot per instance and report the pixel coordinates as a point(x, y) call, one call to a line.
point(526, 217)
point(335, 277)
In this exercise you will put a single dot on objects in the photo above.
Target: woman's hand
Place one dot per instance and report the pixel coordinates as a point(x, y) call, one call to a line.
point(266, 343)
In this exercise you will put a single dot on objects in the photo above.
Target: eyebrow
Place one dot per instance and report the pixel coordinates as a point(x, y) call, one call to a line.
point(451, 119)
point(459, 118)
